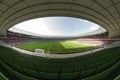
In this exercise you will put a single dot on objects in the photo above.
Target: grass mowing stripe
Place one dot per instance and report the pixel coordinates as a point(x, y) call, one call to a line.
point(54, 47)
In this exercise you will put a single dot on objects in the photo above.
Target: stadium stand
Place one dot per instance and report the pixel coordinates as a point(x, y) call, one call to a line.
point(16, 38)
point(87, 67)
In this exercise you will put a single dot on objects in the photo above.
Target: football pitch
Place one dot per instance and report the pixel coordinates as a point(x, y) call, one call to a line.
point(57, 47)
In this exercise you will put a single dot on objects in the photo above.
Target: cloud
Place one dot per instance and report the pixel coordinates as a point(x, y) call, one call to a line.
point(94, 28)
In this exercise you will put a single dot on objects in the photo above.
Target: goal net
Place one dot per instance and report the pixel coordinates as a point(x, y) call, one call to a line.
point(39, 51)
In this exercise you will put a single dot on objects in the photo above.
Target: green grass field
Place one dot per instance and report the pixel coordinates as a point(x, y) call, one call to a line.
point(57, 46)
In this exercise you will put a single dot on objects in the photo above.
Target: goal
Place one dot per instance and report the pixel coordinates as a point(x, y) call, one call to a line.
point(39, 50)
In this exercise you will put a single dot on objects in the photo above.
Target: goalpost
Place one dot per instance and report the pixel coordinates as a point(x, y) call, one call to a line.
point(41, 51)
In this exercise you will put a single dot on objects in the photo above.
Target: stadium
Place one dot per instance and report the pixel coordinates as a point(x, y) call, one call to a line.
point(93, 55)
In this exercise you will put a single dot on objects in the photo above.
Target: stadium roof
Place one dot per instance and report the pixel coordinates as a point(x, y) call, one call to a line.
point(106, 13)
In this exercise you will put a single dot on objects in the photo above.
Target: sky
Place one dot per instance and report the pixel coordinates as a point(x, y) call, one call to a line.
point(57, 26)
